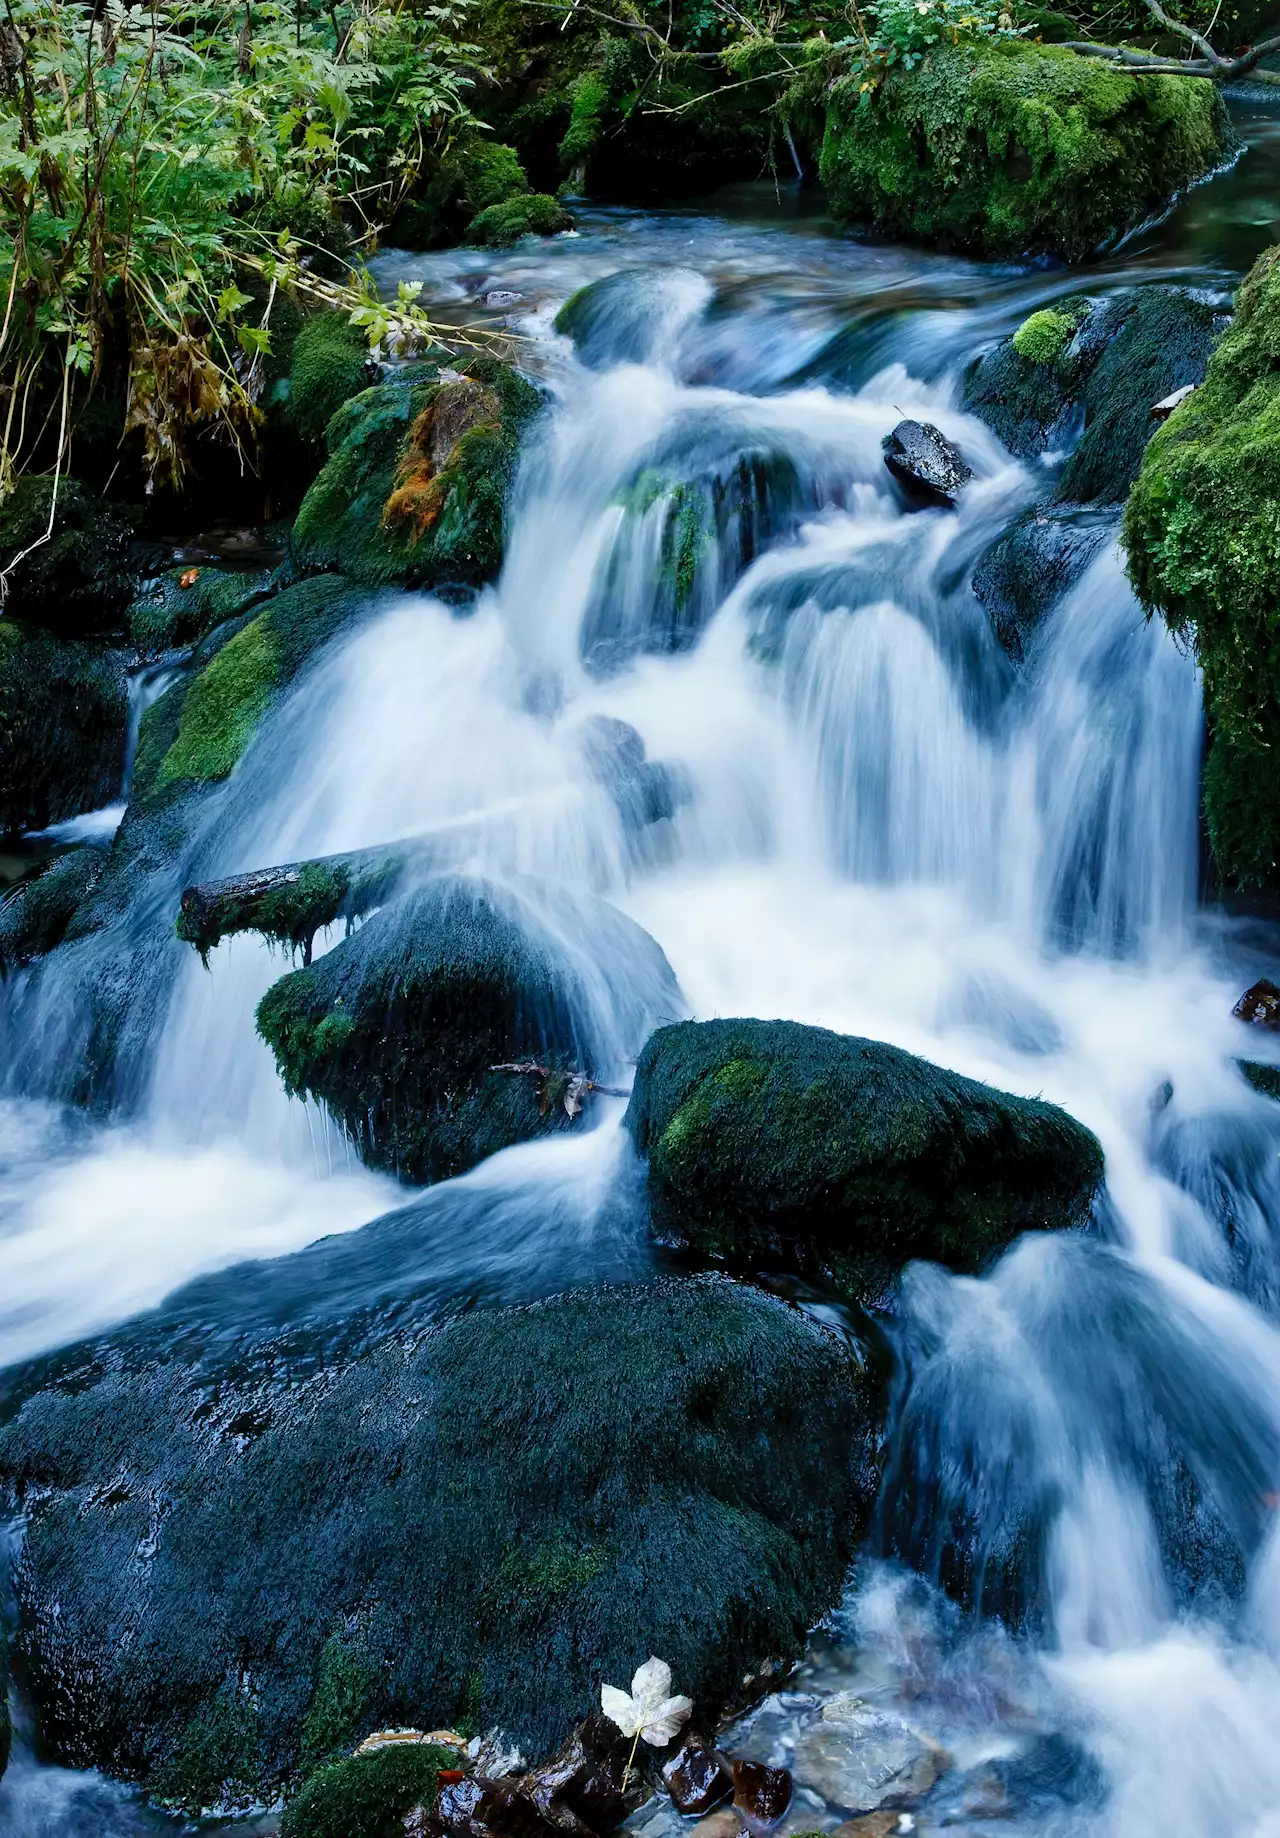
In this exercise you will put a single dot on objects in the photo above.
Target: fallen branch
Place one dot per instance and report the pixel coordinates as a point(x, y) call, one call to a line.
point(568, 1088)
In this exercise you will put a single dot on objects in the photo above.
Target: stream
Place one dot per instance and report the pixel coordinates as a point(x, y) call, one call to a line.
point(881, 827)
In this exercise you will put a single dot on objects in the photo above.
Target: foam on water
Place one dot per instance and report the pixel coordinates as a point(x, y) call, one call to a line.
point(886, 830)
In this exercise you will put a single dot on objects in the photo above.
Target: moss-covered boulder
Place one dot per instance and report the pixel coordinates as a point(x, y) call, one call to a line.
point(1007, 148)
point(80, 582)
point(366, 1796)
point(414, 489)
point(501, 225)
point(64, 715)
point(184, 604)
point(404, 1028)
point(773, 1143)
point(1086, 374)
point(479, 1522)
point(1202, 528)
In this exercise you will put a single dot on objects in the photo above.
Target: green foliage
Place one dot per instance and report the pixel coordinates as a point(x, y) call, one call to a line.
point(366, 1796)
point(590, 98)
point(330, 365)
point(224, 706)
point(772, 1141)
point(63, 721)
point(536, 214)
point(1043, 337)
point(1202, 529)
point(152, 161)
point(485, 172)
point(1012, 149)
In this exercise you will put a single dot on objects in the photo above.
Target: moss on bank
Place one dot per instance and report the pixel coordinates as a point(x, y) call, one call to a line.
point(175, 608)
point(330, 365)
point(1013, 148)
point(1202, 528)
point(772, 1142)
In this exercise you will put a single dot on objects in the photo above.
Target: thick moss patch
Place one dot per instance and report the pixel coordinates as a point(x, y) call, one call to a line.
point(506, 1509)
point(330, 365)
point(1013, 148)
point(537, 214)
point(772, 1142)
point(174, 609)
point(63, 722)
point(1202, 528)
point(366, 1796)
point(351, 519)
point(399, 1029)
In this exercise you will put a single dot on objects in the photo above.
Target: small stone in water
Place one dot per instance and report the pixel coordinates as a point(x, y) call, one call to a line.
point(864, 1758)
point(1260, 1005)
point(722, 1824)
point(697, 1778)
point(925, 462)
point(760, 1794)
point(502, 296)
point(874, 1825)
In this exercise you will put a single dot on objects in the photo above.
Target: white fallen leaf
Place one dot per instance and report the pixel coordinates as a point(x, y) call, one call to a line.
point(649, 1710)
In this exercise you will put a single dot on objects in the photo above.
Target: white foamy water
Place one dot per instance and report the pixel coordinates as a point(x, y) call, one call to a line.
point(880, 827)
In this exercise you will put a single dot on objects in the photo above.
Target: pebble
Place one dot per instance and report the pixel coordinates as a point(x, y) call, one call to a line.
point(865, 1759)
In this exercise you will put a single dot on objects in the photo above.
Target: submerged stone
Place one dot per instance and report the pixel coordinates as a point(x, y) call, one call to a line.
point(697, 1778)
point(451, 1024)
point(481, 1520)
point(761, 1794)
point(771, 1142)
point(861, 1758)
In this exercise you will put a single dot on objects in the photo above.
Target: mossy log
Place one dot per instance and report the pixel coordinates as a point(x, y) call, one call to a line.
point(292, 902)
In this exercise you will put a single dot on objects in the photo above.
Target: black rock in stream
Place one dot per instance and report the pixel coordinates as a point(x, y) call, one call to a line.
point(770, 1142)
point(925, 463)
point(230, 1560)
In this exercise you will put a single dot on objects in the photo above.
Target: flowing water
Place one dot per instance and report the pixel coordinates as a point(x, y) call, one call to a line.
point(873, 822)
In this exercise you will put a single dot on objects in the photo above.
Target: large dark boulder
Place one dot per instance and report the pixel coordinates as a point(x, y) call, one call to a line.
point(773, 1143)
point(235, 1567)
point(411, 1030)
point(1039, 558)
point(64, 715)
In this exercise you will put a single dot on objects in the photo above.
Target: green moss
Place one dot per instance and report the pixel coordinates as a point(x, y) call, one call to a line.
point(330, 365)
point(343, 1688)
point(589, 99)
point(768, 1141)
point(366, 1796)
point(216, 1759)
point(531, 1583)
point(166, 614)
point(1202, 529)
point(1262, 1077)
point(224, 706)
point(1043, 337)
point(536, 214)
point(63, 723)
point(1014, 148)
point(487, 173)
point(35, 915)
point(342, 523)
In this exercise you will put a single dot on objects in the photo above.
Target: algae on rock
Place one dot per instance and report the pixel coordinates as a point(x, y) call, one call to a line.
point(1202, 529)
point(712, 1496)
point(770, 1141)
point(1007, 148)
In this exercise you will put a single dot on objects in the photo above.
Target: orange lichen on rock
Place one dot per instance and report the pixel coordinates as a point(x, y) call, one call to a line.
point(422, 481)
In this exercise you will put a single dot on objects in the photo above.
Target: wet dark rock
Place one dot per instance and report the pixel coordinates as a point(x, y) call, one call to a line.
point(5, 1730)
point(722, 1824)
point(761, 1794)
point(34, 917)
point(645, 791)
point(697, 1778)
point(79, 583)
point(581, 1789)
point(926, 463)
point(1263, 1078)
point(1028, 569)
point(772, 1142)
point(64, 717)
point(451, 1023)
point(479, 1808)
point(1259, 1005)
point(484, 1519)
point(1094, 397)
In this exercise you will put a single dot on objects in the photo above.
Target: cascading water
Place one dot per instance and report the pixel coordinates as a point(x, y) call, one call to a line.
point(869, 819)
